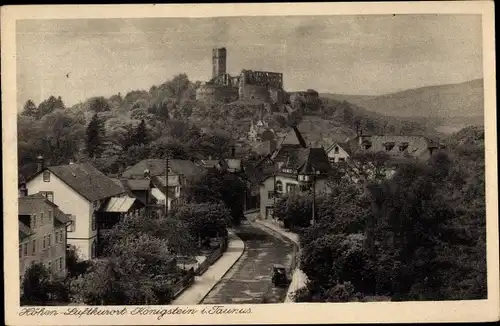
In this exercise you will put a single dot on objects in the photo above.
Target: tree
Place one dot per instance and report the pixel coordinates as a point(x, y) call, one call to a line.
point(141, 134)
point(49, 105)
point(136, 272)
point(204, 220)
point(219, 186)
point(39, 287)
point(295, 210)
point(98, 104)
point(30, 109)
point(36, 285)
point(95, 134)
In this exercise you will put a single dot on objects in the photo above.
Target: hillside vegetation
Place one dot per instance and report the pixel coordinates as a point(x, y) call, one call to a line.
point(447, 108)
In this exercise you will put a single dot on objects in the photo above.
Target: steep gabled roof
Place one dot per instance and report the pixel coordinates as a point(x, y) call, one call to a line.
point(316, 161)
point(85, 179)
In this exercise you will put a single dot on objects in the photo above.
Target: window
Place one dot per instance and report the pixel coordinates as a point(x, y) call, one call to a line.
point(93, 221)
point(44, 243)
point(61, 236)
point(60, 267)
point(33, 221)
point(49, 237)
point(46, 176)
point(42, 222)
point(33, 246)
point(290, 187)
point(389, 146)
point(336, 150)
point(51, 216)
point(72, 225)
point(20, 251)
point(341, 159)
point(48, 194)
point(279, 186)
point(403, 147)
point(57, 237)
point(270, 194)
point(269, 211)
point(49, 266)
point(25, 249)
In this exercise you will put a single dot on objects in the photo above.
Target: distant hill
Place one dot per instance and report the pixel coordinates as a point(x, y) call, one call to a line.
point(447, 108)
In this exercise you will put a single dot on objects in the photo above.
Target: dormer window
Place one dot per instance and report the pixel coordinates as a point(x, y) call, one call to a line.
point(389, 146)
point(46, 176)
point(336, 150)
point(403, 147)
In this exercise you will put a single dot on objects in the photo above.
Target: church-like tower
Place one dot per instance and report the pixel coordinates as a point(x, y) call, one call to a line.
point(219, 62)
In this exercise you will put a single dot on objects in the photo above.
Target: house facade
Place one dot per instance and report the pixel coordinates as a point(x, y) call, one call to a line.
point(293, 167)
point(395, 146)
point(81, 191)
point(337, 153)
point(42, 235)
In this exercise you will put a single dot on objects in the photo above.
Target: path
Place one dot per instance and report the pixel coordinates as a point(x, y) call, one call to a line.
point(203, 284)
point(249, 280)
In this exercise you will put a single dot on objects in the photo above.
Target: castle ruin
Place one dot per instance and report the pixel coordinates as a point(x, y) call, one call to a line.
point(255, 86)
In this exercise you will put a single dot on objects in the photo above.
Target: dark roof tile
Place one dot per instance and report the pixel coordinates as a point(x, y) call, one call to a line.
point(88, 181)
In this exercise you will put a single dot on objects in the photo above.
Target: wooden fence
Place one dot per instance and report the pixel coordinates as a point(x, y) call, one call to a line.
point(212, 258)
point(187, 280)
point(182, 284)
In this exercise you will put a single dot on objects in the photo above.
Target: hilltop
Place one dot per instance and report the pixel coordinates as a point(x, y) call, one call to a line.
point(446, 108)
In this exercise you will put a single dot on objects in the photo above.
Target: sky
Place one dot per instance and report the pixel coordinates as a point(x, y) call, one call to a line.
point(358, 55)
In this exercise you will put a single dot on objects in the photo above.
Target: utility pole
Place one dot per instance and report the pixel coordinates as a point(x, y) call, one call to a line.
point(313, 221)
point(166, 184)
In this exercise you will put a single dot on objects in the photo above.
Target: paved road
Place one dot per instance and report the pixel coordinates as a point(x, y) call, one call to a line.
point(249, 280)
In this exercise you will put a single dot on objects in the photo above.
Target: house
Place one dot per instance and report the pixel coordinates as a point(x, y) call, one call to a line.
point(42, 234)
point(260, 132)
point(83, 192)
point(338, 152)
point(180, 174)
point(397, 147)
point(293, 167)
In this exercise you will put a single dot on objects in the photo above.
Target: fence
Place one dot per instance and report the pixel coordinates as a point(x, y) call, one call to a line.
point(214, 256)
point(182, 284)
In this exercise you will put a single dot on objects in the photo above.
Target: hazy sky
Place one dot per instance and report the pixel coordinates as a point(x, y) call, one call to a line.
point(338, 54)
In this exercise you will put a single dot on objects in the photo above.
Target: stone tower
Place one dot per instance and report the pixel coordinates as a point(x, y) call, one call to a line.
point(218, 62)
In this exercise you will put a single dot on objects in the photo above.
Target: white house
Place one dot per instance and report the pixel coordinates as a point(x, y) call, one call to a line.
point(337, 152)
point(81, 191)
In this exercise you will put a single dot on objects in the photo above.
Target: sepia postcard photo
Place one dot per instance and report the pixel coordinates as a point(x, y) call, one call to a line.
point(250, 163)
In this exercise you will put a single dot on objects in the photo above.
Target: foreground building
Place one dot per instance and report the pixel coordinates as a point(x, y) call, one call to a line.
point(42, 234)
point(84, 193)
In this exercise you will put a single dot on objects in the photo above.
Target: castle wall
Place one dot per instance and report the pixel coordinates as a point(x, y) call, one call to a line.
point(216, 93)
point(253, 92)
point(277, 95)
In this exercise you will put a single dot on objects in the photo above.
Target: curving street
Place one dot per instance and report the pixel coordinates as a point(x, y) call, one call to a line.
point(249, 280)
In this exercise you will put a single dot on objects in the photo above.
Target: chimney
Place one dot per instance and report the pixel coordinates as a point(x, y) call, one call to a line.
point(233, 152)
point(40, 163)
